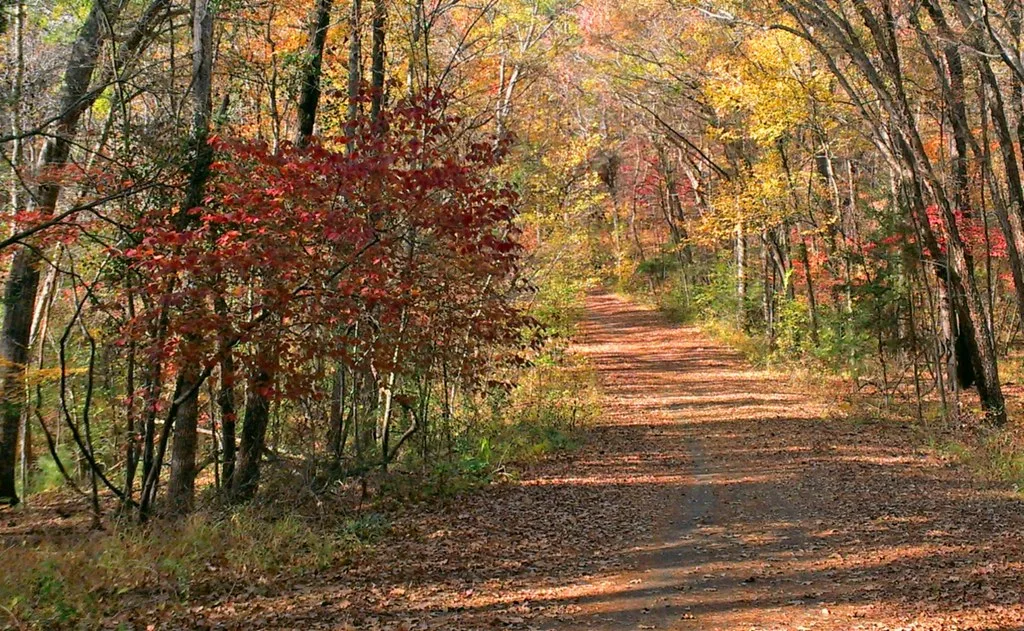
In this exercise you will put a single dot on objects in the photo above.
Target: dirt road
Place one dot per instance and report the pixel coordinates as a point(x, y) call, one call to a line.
point(786, 517)
point(710, 496)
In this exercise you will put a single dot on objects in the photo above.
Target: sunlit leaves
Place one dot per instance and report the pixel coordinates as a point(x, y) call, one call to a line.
point(771, 82)
point(405, 235)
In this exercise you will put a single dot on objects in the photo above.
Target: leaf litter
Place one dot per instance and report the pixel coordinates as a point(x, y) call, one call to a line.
point(709, 496)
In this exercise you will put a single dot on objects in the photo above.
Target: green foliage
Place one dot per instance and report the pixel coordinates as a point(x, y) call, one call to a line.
point(660, 266)
point(45, 476)
point(793, 329)
point(527, 413)
point(470, 468)
point(843, 346)
point(503, 429)
point(51, 598)
point(711, 299)
point(366, 529)
point(59, 25)
point(716, 298)
point(558, 305)
point(845, 341)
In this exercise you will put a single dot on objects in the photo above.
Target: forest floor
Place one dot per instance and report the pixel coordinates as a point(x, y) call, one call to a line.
point(710, 496)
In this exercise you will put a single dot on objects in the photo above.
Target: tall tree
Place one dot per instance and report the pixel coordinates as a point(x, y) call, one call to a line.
point(181, 484)
point(309, 99)
point(355, 67)
point(879, 64)
point(378, 59)
point(23, 280)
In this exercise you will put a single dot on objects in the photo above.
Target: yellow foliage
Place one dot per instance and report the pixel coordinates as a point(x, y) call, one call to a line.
point(759, 200)
point(770, 83)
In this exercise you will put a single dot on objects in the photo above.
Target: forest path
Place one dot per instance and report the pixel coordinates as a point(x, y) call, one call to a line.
point(783, 516)
point(708, 496)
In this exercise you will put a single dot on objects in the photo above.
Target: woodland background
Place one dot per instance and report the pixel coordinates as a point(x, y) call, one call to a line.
point(263, 256)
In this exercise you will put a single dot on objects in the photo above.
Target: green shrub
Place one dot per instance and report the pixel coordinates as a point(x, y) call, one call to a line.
point(45, 476)
point(659, 267)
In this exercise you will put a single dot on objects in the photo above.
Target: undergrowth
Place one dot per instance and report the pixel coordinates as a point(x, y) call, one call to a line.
point(75, 582)
point(992, 454)
point(506, 429)
point(838, 344)
point(85, 577)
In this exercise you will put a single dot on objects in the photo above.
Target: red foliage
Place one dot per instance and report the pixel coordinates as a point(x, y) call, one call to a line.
point(399, 246)
point(972, 231)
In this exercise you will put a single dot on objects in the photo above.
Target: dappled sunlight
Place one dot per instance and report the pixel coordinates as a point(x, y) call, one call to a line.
point(595, 480)
point(703, 499)
point(755, 521)
point(512, 315)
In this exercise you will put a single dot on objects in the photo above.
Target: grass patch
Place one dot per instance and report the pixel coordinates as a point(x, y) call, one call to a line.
point(994, 454)
point(89, 577)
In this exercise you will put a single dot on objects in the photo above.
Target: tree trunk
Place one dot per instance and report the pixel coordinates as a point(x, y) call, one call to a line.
point(182, 481)
point(768, 294)
point(878, 62)
point(23, 281)
point(812, 302)
point(226, 403)
point(336, 422)
point(741, 275)
point(1011, 219)
point(254, 433)
point(355, 54)
point(309, 99)
point(181, 486)
point(378, 58)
